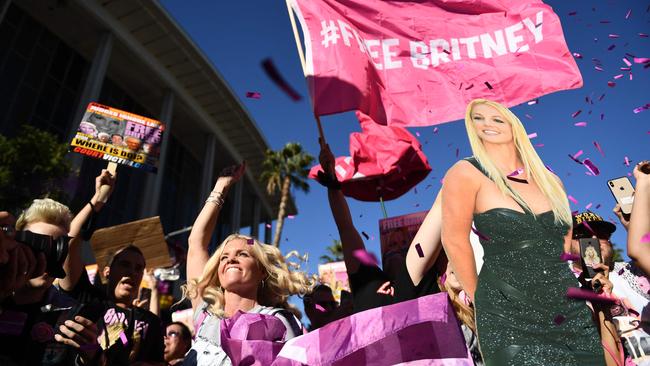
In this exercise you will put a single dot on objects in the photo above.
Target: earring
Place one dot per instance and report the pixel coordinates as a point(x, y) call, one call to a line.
point(262, 283)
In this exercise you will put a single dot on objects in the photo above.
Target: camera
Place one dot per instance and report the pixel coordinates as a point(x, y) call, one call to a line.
point(55, 250)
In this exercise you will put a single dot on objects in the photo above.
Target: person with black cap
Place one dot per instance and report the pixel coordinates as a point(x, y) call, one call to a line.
point(630, 287)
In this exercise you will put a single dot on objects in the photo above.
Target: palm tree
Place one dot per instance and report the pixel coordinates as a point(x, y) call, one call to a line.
point(282, 169)
point(335, 252)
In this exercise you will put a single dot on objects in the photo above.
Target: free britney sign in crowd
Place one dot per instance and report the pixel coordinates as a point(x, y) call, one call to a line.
point(397, 64)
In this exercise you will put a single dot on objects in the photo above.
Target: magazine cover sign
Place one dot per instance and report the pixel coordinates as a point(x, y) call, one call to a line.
point(119, 137)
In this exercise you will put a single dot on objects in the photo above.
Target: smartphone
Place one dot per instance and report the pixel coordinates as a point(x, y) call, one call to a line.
point(590, 254)
point(145, 294)
point(623, 192)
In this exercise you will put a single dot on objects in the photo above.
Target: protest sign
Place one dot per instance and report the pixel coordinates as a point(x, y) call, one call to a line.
point(146, 234)
point(419, 63)
point(396, 233)
point(119, 137)
point(335, 276)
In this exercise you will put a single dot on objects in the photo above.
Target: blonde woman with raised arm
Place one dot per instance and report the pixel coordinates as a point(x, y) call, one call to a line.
point(521, 211)
point(242, 275)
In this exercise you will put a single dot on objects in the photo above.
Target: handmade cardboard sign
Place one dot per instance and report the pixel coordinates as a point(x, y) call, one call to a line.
point(119, 137)
point(146, 234)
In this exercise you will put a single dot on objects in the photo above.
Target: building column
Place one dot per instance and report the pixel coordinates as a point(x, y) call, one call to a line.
point(235, 219)
point(94, 80)
point(207, 176)
point(267, 232)
point(257, 213)
point(153, 187)
point(4, 5)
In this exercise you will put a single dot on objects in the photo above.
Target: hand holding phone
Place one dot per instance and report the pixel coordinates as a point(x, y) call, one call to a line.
point(590, 254)
point(623, 192)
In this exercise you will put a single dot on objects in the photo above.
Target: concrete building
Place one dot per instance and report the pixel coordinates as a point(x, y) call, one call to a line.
point(56, 56)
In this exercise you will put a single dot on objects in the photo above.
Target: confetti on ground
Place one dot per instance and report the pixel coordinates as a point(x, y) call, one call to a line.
point(365, 257)
point(532, 135)
point(559, 319)
point(479, 234)
point(575, 201)
point(253, 95)
point(488, 85)
point(591, 166)
point(365, 235)
point(600, 149)
point(580, 124)
point(576, 113)
point(569, 257)
point(418, 248)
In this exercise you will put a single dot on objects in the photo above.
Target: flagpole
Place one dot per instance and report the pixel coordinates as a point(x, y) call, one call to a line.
point(303, 62)
point(383, 207)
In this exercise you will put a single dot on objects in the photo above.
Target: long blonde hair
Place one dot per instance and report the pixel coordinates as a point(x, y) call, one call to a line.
point(280, 282)
point(464, 312)
point(547, 182)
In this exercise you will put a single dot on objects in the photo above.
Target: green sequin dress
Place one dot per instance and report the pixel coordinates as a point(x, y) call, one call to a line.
point(522, 315)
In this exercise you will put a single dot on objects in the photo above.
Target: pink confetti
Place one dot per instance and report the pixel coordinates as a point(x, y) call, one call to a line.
point(124, 339)
point(577, 55)
point(629, 12)
point(533, 102)
point(611, 84)
point(644, 35)
point(575, 201)
point(598, 68)
point(641, 60)
point(600, 149)
point(645, 238)
point(532, 135)
point(611, 35)
point(576, 113)
point(627, 161)
point(588, 206)
point(539, 145)
point(418, 248)
point(591, 166)
point(435, 130)
point(618, 76)
point(528, 116)
point(365, 257)
point(628, 63)
point(642, 108)
point(253, 95)
point(516, 172)
point(580, 124)
point(268, 226)
point(291, 217)
point(320, 308)
point(565, 257)
point(480, 235)
point(580, 294)
point(578, 154)
point(549, 169)
point(417, 134)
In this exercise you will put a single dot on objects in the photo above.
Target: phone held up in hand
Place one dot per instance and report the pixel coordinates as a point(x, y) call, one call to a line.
point(623, 192)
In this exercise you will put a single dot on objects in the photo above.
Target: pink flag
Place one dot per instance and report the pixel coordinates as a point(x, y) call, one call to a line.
point(385, 162)
point(412, 62)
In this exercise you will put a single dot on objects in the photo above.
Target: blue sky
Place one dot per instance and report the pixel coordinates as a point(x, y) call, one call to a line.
point(237, 35)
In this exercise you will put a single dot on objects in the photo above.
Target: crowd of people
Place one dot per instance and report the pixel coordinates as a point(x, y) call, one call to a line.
point(511, 300)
